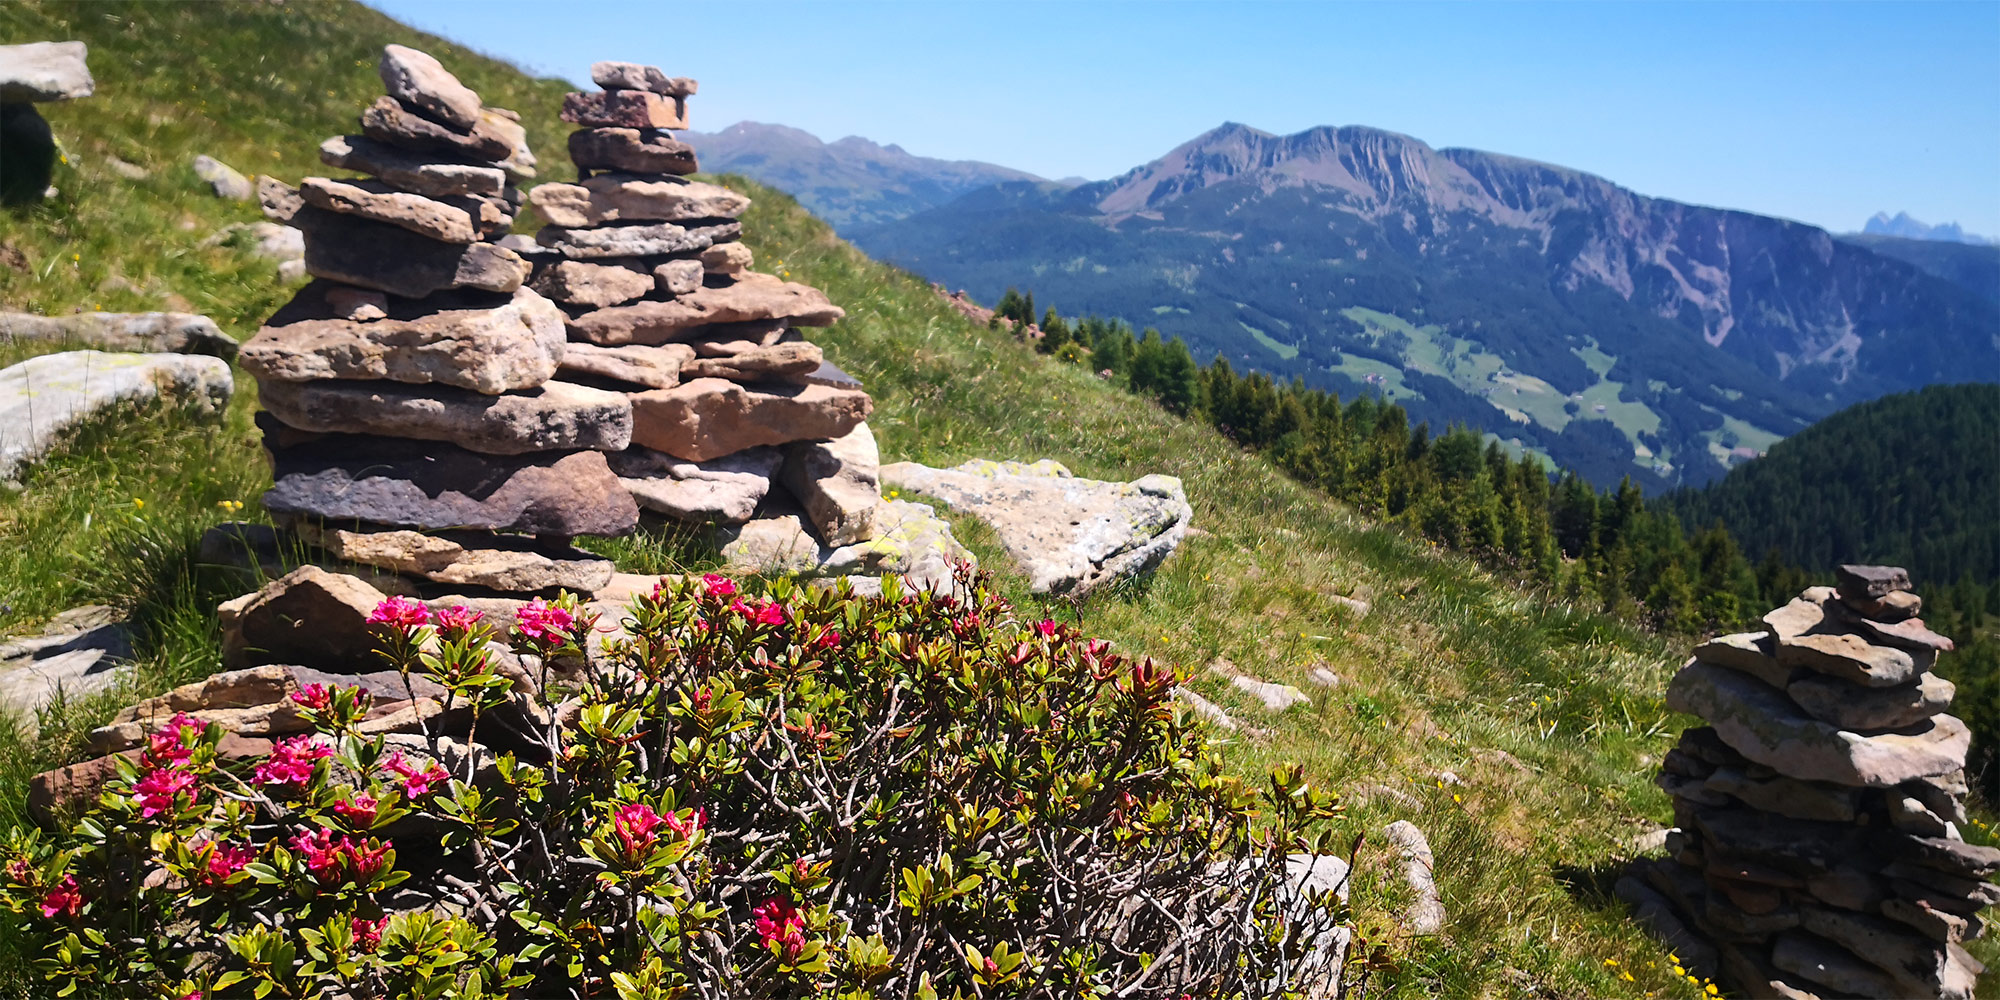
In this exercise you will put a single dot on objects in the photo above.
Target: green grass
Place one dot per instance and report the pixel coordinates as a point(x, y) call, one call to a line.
point(1551, 717)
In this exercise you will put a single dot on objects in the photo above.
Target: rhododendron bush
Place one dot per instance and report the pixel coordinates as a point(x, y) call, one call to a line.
point(789, 794)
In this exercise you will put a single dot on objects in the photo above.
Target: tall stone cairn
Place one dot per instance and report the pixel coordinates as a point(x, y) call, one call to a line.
point(412, 411)
point(731, 408)
point(1818, 851)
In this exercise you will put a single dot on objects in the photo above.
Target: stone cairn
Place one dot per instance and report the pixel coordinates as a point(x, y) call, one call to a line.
point(412, 411)
point(1817, 852)
point(727, 400)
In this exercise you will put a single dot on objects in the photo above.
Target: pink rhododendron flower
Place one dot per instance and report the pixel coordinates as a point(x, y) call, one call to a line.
point(225, 859)
point(828, 639)
point(718, 585)
point(19, 870)
point(1047, 627)
point(367, 933)
point(400, 612)
point(164, 746)
point(544, 622)
point(633, 824)
point(156, 791)
point(290, 764)
point(687, 828)
point(65, 900)
point(458, 619)
point(781, 926)
point(367, 862)
point(765, 612)
point(321, 855)
point(359, 810)
point(318, 697)
point(703, 701)
point(416, 782)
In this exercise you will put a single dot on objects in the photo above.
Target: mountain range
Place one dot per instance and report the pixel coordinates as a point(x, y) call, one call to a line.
point(1618, 334)
point(1882, 224)
point(848, 182)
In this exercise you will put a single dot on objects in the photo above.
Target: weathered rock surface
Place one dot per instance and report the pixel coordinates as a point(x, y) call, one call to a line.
point(638, 364)
point(1426, 914)
point(1754, 653)
point(423, 85)
point(417, 174)
point(1843, 705)
point(726, 340)
point(1274, 697)
point(45, 398)
point(678, 277)
point(639, 151)
point(725, 490)
point(308, 617)
point(622, 197)
point(478, 341)
point(79, 653)
point(1870, 582)
point(634, 76)
point(256, 702)
point(1895, 607)
point(427, 217)
point(625, 109)
point(551, 416)
point(224, 179)
point(911, 541)
point(635, 240)
point(1828, 965)
point(726, 258)
point(278, 200)
point(752, 297)
point(597, 285)
point(431, 486)
point(1850, 658)
point(145, 333)
point(789, 361)
point(1800, 616)
point(388, 121)
point(1763, 725)
point(495, 562)
point(837, 482)
point(1068, 535)
point(392, 259)
point(709, 418)
point(37, 72)
point(260, 554)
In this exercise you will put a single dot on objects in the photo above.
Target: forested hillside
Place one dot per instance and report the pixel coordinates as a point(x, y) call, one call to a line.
point(1911, 480)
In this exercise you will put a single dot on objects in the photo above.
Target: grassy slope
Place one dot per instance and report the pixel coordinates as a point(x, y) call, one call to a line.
point(1449, 668)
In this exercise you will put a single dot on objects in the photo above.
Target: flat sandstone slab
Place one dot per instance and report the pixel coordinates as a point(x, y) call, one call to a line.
point(509, 343)
point(554, 416)
point(618, 197)
point(722, 490)
point(709, 418)
point(635, 364)
point(1763, 725)
point(625, 109)
point(1069, 535)
point(44, 398)
point(639, 240)
point(639, 151)
point(494, 562)
point(752, 297)
point(392, 259)
point(416, 174)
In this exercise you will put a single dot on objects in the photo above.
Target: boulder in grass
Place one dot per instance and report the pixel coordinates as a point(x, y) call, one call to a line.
point(44, 399)
point(145, 333)
point(37, 72)
point(81, 652)
point(224, 179)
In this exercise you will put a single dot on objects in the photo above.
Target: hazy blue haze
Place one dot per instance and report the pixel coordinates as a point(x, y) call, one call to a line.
point(1825, 113)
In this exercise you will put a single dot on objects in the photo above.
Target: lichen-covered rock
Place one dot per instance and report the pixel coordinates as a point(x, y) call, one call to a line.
point(1068, 535)
point(911, 541)
point(44, 399)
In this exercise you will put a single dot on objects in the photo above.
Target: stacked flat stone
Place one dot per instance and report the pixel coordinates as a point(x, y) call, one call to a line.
point(413, 412)
point(1818, 851)
point(727, 399)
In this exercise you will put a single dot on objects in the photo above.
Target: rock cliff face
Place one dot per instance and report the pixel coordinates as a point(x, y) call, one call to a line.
point(1308, 254)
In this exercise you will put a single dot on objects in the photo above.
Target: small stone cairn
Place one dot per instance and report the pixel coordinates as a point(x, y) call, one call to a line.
point(1817, 850)
point(727, 400)
point(413, 414)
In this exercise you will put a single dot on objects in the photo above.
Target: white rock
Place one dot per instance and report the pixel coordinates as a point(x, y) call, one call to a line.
point(82, 651)
point(910, 541)
point(1275, 697)
point(725, 490)
point(42, 399)
point(1426, 913)
point(44, 71)
point(224, 179)
point(837, 483)
point(1069, 535)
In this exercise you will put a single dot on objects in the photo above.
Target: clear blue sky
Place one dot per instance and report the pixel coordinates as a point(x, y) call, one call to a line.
point(1823, 112)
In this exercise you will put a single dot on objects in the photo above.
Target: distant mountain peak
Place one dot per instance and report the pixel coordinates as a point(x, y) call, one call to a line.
point(1901, 224)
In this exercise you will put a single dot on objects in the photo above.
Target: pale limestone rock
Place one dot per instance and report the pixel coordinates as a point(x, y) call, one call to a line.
point(79, 653)
point(144, 333)
point(224, 179)
point(639, 240)
point(910, 541)
point(44, 398)
point(725, 490)
point(1274, 697)
point(38, 72)
point(423, 84)
point(554, 416)
point(1068, 535)
point(637, 364)
point(1426, 914)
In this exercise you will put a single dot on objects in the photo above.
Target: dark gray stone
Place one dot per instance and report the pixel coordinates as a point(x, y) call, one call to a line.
point(392, 259)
